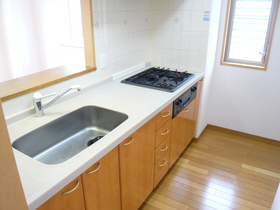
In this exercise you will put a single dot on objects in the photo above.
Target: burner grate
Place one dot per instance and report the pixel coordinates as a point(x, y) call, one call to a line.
point(161, 79)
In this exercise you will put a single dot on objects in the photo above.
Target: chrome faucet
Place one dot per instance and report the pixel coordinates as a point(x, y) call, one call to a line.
point(37, 100)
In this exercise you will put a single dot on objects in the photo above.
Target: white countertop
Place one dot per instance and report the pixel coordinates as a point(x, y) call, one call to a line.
point(41, 181)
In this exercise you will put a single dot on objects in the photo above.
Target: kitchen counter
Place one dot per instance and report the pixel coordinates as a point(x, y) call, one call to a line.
point(40, 181)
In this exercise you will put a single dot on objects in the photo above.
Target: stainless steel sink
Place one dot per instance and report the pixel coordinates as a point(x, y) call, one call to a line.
point(68, 135)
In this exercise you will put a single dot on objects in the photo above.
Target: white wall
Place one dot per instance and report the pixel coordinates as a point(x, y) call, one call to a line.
point(247, 100)
point(204, 108)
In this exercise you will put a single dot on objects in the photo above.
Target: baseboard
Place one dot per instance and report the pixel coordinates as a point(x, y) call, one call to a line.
point(245, 135)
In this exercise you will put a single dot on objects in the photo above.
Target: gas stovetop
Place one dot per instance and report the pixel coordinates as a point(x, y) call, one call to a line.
point(160, 79)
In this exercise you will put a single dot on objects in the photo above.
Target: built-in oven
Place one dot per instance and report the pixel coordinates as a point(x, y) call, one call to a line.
point(183, 100)
point(183, 122)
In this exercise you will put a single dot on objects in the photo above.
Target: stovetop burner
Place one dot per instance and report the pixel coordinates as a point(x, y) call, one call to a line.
point(159, 78)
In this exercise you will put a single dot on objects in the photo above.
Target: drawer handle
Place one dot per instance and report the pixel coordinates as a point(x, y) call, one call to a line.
point(166, 147)
point(68, 192)
point(165, 162)
point(91, 172)
point(166, 115)
point(167, 131)
point(128, 143)
point(186, 111)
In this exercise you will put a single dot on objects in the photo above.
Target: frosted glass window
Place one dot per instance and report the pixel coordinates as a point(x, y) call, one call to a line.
point(39, 34)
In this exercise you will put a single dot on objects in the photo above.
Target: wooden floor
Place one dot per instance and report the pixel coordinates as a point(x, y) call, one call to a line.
point(220, 171)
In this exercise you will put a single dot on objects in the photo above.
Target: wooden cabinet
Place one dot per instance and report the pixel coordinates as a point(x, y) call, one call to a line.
point(101, 183)
point(70, 197)
point(183, 128)
point(137, 166)
point(97, 188)
point(12, 195)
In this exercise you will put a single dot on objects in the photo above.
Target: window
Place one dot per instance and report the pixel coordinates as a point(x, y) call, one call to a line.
point(72, 23)
point(248, 33)
point(39, 35)
point(16, 87)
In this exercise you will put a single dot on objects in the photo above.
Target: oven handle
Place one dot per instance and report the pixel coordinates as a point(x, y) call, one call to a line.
point(186, 102)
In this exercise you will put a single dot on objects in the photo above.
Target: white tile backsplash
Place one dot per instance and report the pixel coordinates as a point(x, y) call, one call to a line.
point(186, 20)
point(187, 5)
point(168, 33)
point(177, 20)
point(178, 27)
point(194, 41)
point(185, 41)
point(183, 59)
point(197, 4)
point(176, 40)
point(174, 59)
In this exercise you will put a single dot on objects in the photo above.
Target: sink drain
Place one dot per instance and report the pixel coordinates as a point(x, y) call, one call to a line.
point(92, 141)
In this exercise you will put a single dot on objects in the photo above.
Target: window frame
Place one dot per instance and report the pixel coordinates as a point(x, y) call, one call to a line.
point(225, 60)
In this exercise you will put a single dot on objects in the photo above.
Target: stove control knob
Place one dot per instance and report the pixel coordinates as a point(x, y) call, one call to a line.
point(193, 89)
point(178, 101)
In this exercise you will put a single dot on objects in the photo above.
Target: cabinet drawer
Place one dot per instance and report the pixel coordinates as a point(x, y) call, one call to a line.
point(163, 132)
point(163, 116)
point(161, 167)
point(163, 148)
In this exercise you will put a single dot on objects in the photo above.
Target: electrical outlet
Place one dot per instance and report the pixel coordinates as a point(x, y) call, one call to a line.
point(103, 61)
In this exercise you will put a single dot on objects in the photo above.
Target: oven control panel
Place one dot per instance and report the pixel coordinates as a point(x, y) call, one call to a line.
point(183, 100)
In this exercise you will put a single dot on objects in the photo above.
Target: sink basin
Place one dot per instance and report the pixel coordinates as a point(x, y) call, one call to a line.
point(68, 135)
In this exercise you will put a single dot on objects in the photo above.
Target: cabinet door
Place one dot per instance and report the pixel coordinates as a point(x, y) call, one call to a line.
point(137, 166)
point(101, 183)
point(70, 198)
point(183, 127)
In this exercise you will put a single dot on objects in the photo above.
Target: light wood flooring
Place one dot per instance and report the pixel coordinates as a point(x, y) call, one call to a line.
point(220, 171)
